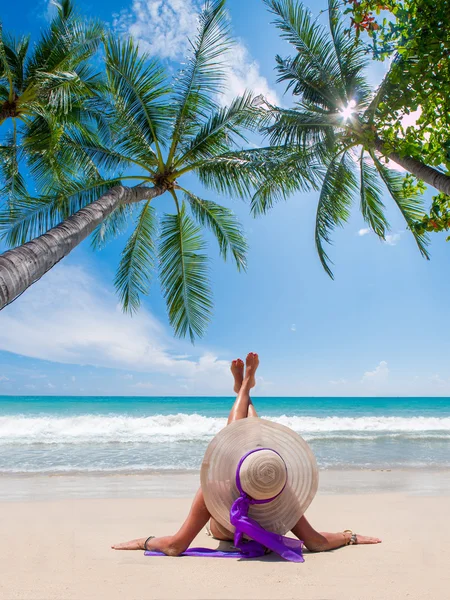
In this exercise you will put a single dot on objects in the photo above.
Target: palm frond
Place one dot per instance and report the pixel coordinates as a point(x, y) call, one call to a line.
point(292, 170)
point(27, 218)
point(13, 185)
point(30, 217)
point(114, 225)
point(240, 173)
point(311, 89)
point(314, 72)
point(201, 80)
point(64, 88)
point(304, 126)
point(138, 87)
point(69, 41)
point(410, 204)
point(12, 60)
point(237, 174)
point(351, 57)
point(137, 261)
point(372, 206)
point(224, 225)
point(222, 130)
point(184, 275)
point(335, 200)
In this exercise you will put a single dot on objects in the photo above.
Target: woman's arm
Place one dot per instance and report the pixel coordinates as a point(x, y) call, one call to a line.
point(317, 541)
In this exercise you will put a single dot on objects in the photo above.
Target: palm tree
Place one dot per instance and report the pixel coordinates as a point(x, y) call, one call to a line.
point(159, 132)
point(44, 90)
point(333, 122)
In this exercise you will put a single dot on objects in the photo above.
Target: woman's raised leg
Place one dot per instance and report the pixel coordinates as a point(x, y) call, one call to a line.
point(240, 409)
point(237, 370)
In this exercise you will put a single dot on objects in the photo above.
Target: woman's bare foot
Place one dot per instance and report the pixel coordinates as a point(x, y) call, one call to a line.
point(365, 539)
point(251, 364)
point(237, 370)
point(162, 544)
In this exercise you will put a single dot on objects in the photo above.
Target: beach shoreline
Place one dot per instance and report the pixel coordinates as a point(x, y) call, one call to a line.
point(44, 487)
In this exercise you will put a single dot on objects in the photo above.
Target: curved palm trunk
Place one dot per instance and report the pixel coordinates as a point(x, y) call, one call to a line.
point(429, 175)
point(22, 266)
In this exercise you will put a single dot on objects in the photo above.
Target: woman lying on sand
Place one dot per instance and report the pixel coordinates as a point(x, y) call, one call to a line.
point(287, 489)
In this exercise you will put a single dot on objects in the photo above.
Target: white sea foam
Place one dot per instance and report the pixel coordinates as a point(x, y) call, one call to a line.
point(103, 429)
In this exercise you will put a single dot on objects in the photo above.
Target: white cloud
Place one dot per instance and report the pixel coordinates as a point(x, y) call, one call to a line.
point(68, 317)
point(144, 385)
point(51, 386)
point(29, 386)
point(293, 327)
point(4, 378)
point(339, 381)
point(50, 10)
point(163, 29)
point(437, 380)
point(378, 375)
point(73, 378)
point(393, 238)
point(243, 74)
point(365, 231)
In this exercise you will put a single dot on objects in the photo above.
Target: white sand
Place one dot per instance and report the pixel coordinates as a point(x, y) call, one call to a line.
point(60, 549)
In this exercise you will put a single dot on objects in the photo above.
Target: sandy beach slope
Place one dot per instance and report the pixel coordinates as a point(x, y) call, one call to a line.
point(60, 550)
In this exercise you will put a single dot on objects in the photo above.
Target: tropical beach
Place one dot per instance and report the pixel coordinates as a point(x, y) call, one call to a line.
point(78, 474)
point(223, 351)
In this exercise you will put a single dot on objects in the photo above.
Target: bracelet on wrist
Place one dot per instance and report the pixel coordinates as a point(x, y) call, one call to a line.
point(353, 538)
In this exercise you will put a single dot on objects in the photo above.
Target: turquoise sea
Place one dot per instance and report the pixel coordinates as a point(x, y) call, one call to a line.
point(114, 434)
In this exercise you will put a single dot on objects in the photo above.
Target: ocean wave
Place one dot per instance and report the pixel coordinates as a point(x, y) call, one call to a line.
point(104, 429)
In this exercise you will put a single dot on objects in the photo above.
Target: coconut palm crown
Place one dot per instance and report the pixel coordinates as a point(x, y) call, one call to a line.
point(45, 90)
point(333, 123)
point(157, 132)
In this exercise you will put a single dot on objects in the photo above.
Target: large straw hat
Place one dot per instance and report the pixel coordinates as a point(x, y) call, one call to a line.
point(283, 468)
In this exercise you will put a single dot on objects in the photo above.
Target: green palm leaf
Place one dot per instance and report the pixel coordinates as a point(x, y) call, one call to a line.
point(304, 126)
point(6, 73)
point(335, 200)
point(14, 185)
point(314, 72)
point(222, 130)
point(184, 275)
point(372, 207)
point(137, 261)
point(114, 225)
point(204, 74)
point(292, 170)
point(224, 225)
point(27, 218)
point(67, 43)
point(351, 57)
point(410, 204)
point(139, 89)
point(242, 173)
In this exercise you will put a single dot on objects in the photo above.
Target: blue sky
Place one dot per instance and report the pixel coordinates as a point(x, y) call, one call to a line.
point(378, 329)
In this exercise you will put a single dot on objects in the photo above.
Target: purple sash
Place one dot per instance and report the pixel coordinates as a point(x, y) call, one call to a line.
point(261, 539)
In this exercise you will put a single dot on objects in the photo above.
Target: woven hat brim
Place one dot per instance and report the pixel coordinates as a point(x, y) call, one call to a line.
point(218, 473)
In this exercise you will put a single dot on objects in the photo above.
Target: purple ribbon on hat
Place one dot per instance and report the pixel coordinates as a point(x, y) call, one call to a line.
point(261, 539)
